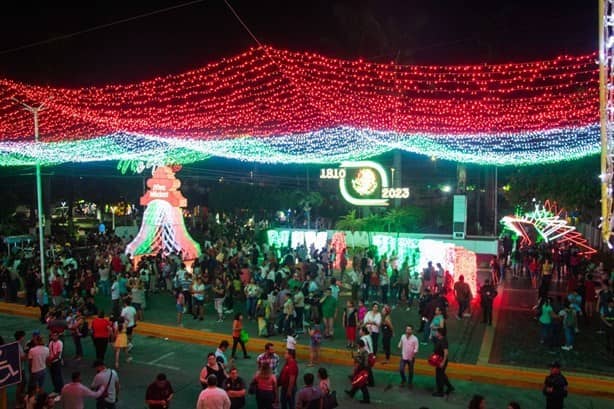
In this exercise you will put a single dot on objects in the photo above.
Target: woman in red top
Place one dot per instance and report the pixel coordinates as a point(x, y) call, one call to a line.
point(266, 387)
point(101, 331)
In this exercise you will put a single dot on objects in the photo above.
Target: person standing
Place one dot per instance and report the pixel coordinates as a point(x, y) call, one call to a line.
point(121, 341)
point(198, 298)
point(213, 367)
point(237, 328)
point(287, 382)
point(37, 361)
point(219, 293)
point(463, 295)
point(76, 325)
point(74, 393)
point(441, 349)
point(373, 321)
point(101, 331)
point(129, 315)
point(266, 387)
point(360, 378)
point(115, 296)
point(109, 380)
point(56, 348)
point(159, 393)
point(213, 396)
point(387, 333)
point(555, 387)
point(268, 357)
point(328, 303)
point(220, 353)
point(235, 388)
point(308, 394)
point(409, 349)
point(350, 322)
point(487, 296)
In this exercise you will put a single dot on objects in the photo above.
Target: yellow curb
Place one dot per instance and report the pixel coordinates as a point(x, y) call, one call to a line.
point(582, 384)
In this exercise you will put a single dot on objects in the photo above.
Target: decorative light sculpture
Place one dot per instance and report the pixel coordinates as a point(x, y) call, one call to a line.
point(163, 229)
point(550, 224)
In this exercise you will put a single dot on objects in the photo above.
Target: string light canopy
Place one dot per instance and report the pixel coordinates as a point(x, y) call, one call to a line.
point(276, 106)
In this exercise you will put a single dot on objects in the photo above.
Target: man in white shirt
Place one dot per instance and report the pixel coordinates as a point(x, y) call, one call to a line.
point(373, 321)
point(108, 379)
point(56, 348)
point(37, 361)
point(75, 392)
point(409, 348)
point(129, 315)
point(213, 397)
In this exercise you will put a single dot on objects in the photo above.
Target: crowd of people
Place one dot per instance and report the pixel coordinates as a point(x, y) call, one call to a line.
point(289, 293)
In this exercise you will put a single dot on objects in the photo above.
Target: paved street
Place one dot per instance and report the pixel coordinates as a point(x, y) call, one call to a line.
point(182, 363)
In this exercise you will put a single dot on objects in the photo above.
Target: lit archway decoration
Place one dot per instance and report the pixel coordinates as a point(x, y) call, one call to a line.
point(163, 228)
point(550, 224)
point(276, 106)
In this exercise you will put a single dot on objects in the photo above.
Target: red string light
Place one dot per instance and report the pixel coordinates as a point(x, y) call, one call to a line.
point(269, 92)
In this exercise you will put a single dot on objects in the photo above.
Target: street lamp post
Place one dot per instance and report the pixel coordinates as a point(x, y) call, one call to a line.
point(39, 191)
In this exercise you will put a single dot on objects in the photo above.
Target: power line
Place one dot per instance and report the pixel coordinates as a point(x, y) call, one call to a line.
point(243, 23)
point(99, 27)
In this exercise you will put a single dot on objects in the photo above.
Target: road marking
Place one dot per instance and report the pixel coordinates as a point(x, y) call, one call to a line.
point(174, 368)
point(161, 358)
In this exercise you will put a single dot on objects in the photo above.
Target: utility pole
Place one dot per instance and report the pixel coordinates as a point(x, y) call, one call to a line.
point(39, 191)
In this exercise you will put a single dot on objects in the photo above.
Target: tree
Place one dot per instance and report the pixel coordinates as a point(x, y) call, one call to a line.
point(572, 184)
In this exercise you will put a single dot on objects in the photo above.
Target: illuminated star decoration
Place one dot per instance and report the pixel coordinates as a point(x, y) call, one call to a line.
point(276, 106)
point(549, 223)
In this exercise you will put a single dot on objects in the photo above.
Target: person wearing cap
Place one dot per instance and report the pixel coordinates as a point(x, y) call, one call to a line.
point(109, 380)
point(555, 387)
point(213, 396)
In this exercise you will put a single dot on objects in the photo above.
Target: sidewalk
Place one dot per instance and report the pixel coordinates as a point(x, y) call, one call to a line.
point(589, 385)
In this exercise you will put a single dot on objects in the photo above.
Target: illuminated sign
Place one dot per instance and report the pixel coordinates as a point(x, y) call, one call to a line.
point(368, 183)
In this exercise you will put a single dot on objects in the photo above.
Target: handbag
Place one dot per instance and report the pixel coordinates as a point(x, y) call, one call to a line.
point(253, 387)
point(329, 401)
point(244, 336)
point(435, 360)
point(360, 379)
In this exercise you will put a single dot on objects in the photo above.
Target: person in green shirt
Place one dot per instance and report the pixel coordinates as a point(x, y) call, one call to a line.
point(329, 312)
point(545, 320)
point(294, 283)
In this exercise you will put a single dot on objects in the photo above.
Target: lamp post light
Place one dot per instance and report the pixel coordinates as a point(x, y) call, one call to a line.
point(39, 195)
point(113, 209)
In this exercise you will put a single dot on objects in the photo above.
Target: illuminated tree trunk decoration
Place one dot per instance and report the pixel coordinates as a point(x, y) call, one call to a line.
point(163, 228)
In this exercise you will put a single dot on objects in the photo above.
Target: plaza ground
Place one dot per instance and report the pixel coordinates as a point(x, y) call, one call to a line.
point(182, 363)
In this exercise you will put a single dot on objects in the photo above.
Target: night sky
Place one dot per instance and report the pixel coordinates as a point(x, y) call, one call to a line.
point(410, 32)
